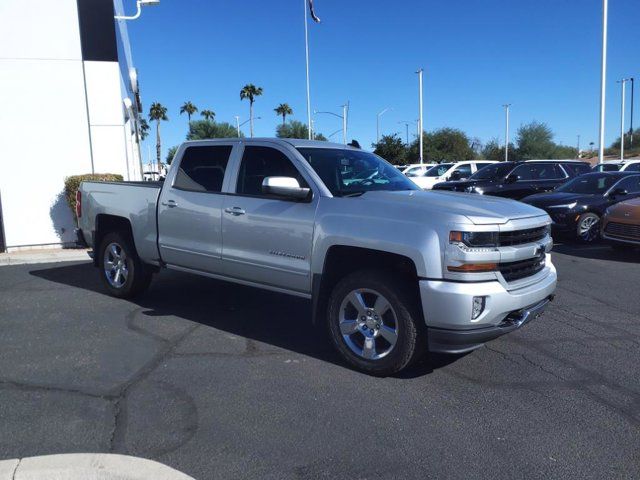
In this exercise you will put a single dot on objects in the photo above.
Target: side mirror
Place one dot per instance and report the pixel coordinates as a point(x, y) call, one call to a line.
point(284, 187)
point(618, 192)
point(455, 175)
point(512, 178)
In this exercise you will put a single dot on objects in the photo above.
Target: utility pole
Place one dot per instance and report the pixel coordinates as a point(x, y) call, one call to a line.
point(238, 124)
point(406, 124)
point(506, 132)
point(631, 127)
point(344, 122)
point(578, 146)
point(603, 78)
point(306, 46)
point(622, 99)
point(378, 123)
point(420, 121)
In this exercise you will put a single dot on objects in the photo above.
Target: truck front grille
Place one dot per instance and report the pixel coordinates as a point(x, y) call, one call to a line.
point(518, 237)
point(623, 230)
point(521, 269)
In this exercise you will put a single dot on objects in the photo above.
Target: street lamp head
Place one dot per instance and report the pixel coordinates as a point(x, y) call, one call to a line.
point(145, 3)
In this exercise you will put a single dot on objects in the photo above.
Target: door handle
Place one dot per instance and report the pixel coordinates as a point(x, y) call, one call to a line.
point(170, 204)
point(236, 211)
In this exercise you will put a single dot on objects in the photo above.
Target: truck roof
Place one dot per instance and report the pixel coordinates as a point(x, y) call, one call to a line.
point(295, 142)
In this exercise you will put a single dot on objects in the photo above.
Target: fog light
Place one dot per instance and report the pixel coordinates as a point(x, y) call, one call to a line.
point(478, 307)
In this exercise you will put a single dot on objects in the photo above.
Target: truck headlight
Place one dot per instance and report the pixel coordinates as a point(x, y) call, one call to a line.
point(474, 239)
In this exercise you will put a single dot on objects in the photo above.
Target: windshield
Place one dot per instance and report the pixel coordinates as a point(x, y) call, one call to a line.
point(589, 183)
point(438, 170)
point(347, 172)
point(496, 170)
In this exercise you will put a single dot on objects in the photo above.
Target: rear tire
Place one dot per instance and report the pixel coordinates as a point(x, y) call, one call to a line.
point(121, 270)
point(375, 322)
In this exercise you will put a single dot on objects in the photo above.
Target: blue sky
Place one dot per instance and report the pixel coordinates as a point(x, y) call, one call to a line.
point(542, 56)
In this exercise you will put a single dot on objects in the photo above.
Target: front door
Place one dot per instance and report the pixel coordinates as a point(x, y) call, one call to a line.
point(268, 239)
point(190, 210)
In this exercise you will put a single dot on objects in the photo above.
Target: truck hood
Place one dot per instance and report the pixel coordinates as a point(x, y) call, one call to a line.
point(480, 210)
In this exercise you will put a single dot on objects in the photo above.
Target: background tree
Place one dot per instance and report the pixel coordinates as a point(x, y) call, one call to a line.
point(250, 92)
point(208, 114)
point(158, 113)
point(203, 129)
point(630, 148)
point(320, 137)
point(283, 110)
point(443, 145)
point(296, 129)
point(494, 150)
point(392, 149)
point(188, 108)
point(535, 141)
point(171, 153)
point(143, 128)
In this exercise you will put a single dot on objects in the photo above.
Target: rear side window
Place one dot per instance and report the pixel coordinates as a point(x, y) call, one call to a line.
point(575, 169)
point(261, 162)
point(634, 167)
point(539, 171)
point(202, 168)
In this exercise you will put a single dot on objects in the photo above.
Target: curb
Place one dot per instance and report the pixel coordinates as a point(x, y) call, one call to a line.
point(50, 256)
point(87, 466)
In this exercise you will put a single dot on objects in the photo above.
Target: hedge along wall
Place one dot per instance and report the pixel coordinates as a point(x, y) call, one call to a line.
point(72, 184)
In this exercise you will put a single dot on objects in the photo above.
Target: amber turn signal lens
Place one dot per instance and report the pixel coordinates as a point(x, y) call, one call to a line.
point(474, 268)
point(455, 237)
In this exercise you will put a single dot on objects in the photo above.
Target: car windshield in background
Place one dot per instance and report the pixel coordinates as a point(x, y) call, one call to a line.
point(589, 183)
point(346, 172)
point(497, 170)
point(438, 170)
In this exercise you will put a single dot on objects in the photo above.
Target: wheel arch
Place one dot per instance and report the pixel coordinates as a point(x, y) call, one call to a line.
point(106, 224)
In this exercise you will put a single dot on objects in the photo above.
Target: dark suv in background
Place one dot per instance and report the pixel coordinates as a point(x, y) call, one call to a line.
point(518, 179)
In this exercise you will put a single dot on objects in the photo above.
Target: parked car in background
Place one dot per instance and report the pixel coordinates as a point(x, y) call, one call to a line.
point(449, 172)
point(391, 271)
point(577, 206)
point(621, 224)
point(618, 166)
point(518, 179)
point(417, 169)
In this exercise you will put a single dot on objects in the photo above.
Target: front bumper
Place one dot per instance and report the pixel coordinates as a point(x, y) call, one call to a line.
point(447, 308)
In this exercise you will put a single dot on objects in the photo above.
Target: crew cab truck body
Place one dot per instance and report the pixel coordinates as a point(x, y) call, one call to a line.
point(390, 269)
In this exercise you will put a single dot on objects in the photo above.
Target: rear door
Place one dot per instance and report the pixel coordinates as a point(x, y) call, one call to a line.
point(268, 239)
point(190, 209)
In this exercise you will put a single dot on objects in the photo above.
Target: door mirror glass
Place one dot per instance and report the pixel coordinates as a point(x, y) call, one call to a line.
point(284, 187)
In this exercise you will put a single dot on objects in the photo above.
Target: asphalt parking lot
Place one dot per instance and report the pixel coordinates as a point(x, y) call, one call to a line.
point(221, 381)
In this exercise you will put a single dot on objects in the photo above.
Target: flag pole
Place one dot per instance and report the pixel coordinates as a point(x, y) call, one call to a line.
point(306, 44)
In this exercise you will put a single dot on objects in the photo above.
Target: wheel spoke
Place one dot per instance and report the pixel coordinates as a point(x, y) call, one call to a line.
point(389, 334)
point(369, 348)
point(382, 305)
point(348, 327)
point(355, 298)
point(116, 277)
point(114, 251)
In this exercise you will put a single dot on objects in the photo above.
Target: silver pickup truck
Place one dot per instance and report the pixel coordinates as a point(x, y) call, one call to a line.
point(391, 270)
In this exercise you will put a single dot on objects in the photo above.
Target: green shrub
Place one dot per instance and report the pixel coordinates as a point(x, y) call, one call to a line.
point(72, 184)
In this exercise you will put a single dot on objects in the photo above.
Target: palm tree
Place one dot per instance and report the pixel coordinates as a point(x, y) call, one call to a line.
point(208, 114)
point(250, 92)
point(158, 112)
point(283, 109)
point(188, 108)
point(143, 128)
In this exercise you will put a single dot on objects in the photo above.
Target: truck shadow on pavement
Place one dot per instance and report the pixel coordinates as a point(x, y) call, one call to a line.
point(265, 319)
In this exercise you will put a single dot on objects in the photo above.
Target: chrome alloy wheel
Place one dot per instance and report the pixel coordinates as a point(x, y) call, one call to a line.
point(115, 265)
point(368, 324)
point(587, 229)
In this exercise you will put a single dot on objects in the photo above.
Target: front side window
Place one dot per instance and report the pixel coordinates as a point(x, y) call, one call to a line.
point(202, 168)
point(634, 167)
point(348, 172)
point(415, 172)
point(261, 162)
point(539, 171)
point(575, 169)
point(438, 170)
point(630, 184)
point(493, 171)
point(464, 170)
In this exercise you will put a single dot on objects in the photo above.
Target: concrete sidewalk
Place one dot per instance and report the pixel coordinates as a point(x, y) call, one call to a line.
point(44, 256)
point(87, 466)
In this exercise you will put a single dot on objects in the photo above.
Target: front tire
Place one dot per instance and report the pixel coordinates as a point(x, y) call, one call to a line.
point(121, 270)
point(375, 322)
point(588, 228)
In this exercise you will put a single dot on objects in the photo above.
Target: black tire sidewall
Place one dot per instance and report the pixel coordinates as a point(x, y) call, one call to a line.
point(580, 220)
point(409, 327)
point(136, 280)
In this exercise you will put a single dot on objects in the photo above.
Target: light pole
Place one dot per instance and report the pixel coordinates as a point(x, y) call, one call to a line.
point(622, 99)
point(603, 78)
point(506, 132)
point(139, 4)
point(238, 124)
point(578, 146)
point(343, 117)
point(631, 127)
point(420, 121)
point(378, 123)
point(406, 124)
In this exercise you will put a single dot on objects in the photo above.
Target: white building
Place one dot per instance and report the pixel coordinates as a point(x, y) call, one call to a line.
point(69, 105)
